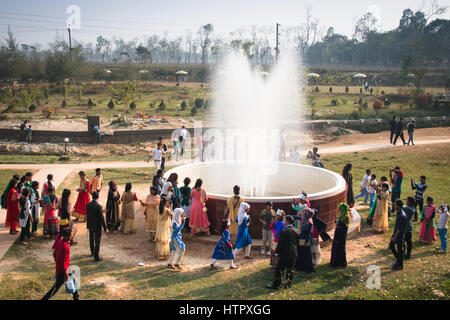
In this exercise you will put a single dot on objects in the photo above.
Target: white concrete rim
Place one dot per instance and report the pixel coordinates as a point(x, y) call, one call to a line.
point(340, 183)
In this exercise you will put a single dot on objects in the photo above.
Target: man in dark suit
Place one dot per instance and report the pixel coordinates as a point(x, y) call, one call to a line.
point(95, 221)
point(287, 250)
point(399, 132)
point(393, 124)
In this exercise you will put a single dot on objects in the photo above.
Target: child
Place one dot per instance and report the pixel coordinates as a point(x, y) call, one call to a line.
point(47, 184)
point(51, 228)
point(442, 227)
point(266, 218)
point(420, 190)
point(427, 233)
point(276, 227)
point(373, 189)
point(243, 239)
point(224, 248)
point(233, 205)
point(35, 207)
point(175, 148)
point(25, 217)
point(177, 247)
point(410, 210)
point(29, 132)
point(185, 202)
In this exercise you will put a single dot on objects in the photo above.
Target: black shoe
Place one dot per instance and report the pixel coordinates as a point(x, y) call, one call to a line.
point(270, 286)
point(98, 259)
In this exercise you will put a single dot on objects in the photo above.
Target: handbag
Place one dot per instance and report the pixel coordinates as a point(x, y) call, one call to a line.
point(71, 284)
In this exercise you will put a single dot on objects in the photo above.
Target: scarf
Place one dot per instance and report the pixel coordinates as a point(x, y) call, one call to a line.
point(177, 216)
point(242, 214)
point(344, 215)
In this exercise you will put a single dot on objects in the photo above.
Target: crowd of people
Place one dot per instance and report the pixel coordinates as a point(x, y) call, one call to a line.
point(378, 195)
point(291, 240)
point(397, 128)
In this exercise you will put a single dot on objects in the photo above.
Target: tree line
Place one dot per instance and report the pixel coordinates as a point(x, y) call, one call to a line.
point(420, 42)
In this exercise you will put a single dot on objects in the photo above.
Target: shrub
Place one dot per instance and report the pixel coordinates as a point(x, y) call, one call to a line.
point(354, 116)
point(151, 104)
point(32, 108)
point(194, 111)
point(371, 90)
point(48, 111)
point(331, 89)
point(111, 104)
point(183, 105)
point(334, 102)
point(360, 90)
point(382, 92)
point(64, 103)
point(317, 89)
point(90, 103)
point(360, 101)
point(424, 100)
point(347, 89)
point(132, 105)
point(344, 101)
point(377, 105)
point(162, 105)
point(198, 103)
point(365, 106)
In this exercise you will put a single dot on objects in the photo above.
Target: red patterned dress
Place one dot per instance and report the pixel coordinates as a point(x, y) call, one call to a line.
point(79, 210)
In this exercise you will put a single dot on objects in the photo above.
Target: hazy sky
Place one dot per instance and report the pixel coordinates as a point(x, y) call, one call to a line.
point(37, 21)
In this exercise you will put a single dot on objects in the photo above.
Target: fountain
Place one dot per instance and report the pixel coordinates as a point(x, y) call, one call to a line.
point(253, 110)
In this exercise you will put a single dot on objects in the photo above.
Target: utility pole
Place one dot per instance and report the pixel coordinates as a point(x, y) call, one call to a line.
point(70, 52)
point(277, 49)
point(70, 44)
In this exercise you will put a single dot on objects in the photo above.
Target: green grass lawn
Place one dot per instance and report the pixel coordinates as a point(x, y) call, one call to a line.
point(6, 175)
point(38, 159)
point(153, 93)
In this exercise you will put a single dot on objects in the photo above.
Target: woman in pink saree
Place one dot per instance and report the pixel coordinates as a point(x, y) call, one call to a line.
point(427, 233)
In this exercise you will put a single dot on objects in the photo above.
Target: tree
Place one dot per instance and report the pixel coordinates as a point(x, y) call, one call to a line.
point(11, 59)
point(143, 53)
point(377, 105)
point(205, 41)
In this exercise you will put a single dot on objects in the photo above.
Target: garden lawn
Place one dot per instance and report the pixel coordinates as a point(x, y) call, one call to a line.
point(6, 175)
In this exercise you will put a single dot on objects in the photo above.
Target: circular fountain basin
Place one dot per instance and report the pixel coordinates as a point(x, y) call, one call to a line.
point(325, 190)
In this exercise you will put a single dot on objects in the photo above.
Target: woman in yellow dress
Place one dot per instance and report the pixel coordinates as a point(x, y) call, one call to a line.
point(151, 213)
point(233, 204)
point(164, 231)
point(128, 199)
point(381, 216)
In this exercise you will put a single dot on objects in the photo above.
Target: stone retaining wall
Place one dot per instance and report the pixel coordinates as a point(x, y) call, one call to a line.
point(131, 136)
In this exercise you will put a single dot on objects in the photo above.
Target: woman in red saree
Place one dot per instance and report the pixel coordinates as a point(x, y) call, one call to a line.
point(427, 233)
point(79, 210)
point(12, 211)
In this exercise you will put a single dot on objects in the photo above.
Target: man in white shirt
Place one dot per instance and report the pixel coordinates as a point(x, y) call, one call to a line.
point(157, 155)
point(364, 187)
point(182, 138)
point(295, 155)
